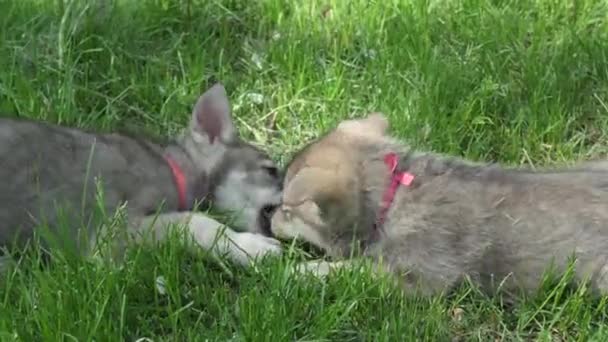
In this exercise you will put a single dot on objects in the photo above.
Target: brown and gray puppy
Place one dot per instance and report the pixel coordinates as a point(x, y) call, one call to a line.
point(449, 219)
point(45, 168)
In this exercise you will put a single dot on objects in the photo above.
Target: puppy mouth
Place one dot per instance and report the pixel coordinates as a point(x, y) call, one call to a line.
point(264, 218)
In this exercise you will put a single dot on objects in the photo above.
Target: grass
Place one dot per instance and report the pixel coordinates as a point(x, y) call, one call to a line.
point(519, 82)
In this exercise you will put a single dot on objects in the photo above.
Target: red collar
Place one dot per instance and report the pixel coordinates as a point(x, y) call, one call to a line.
point(397, 178)
point(180, 182)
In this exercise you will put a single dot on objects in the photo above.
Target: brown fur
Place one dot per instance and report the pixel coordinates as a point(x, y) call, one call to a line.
point(457, 219)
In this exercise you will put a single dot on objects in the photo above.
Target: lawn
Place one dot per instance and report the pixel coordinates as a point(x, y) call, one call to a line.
point(518, 82)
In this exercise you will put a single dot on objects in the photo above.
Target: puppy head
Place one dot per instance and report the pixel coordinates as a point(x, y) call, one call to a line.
point(322, 194)
point(319, 206)
point(246, 182)
point(323, 190)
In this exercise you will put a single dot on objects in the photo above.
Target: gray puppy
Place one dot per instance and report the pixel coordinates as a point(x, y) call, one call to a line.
point(434, 221)
point(50, 174)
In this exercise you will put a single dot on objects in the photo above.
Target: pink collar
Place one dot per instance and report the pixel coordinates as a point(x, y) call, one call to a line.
point(397, 178)
point(180, 182)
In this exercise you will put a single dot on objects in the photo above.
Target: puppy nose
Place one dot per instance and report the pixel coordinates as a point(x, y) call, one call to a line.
point(269, 210)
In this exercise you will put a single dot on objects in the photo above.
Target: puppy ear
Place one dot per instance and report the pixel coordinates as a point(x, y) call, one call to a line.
point(378, 122)
point(374, 124)
point(211, 115)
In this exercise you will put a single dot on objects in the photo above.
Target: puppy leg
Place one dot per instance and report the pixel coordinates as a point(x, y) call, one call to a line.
point(241, 247)
point(320, 269)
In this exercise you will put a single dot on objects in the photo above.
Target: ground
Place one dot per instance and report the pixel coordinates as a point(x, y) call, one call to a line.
point(514, 82)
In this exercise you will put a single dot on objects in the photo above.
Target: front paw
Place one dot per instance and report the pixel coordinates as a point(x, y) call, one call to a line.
point(318, 269)
point(249, 246)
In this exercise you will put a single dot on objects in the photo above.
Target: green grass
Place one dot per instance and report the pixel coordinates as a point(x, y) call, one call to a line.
point(519, 82)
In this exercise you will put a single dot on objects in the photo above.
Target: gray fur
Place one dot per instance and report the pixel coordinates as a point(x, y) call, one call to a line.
point(458, 219)
point(48, 169)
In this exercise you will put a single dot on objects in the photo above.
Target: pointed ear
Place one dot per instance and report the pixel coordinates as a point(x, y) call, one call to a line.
point(373, 125)
point(378, 122)
point(211, 115)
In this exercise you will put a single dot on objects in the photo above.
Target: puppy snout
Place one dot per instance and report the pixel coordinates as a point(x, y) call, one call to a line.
point(265, 217)
point(269, 210)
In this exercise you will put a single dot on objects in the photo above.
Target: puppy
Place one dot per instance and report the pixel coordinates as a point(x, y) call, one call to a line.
point(45, 167)
point(433, 221)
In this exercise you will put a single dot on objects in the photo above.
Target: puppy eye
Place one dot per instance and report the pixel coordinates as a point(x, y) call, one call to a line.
point(286, 213)
point(272, 171)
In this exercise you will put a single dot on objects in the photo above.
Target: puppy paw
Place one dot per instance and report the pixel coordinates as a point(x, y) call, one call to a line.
point(249, 246)
point(318, 269)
